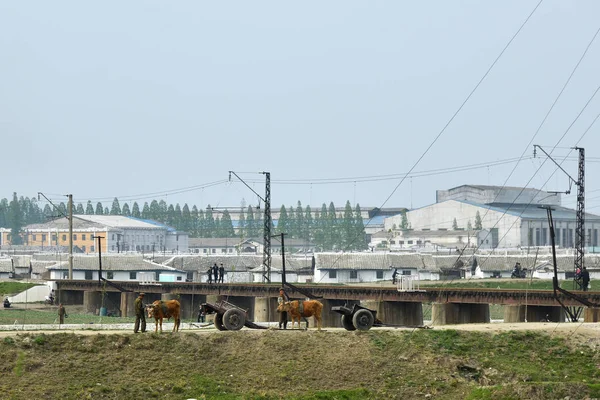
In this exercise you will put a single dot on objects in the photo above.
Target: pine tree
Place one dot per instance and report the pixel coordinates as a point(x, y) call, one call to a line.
point(171, 215)
point(185, 224)
point(242, 225)
point(89, 208)
point(478, 225)
point(62, 207)
point(79, 209)
point(135, 210)
point(201, 224)
point(347, 228)
point(227, 225)
point(194, 223)
point(210, 225)
point(334, 237)
point(308, 224)
point(404, 224)
point(163, 211)
point(154, 213)
point(469, 226)
point(300, 222)
point(47, 212)
point(146, 211)
point(251, 228)
point(282, 222)
point(454, 225)
point(291, 226)
point(116, 208)
point(321, 228)
point(126, 211)
point(15, 220)
point(4, 212)
point(359, 226)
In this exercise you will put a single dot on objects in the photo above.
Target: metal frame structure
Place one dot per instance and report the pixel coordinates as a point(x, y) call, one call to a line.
point(580, 214)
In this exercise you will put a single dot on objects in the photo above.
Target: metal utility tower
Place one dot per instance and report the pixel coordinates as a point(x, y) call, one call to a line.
point(267, 223)
point(580, 215)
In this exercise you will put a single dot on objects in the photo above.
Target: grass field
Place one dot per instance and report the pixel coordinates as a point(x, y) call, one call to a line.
point(300, 365)
point(10, 288)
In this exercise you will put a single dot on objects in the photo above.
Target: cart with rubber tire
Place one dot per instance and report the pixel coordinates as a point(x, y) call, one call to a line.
point(229, 317)
point(358, 317)
point(363, 319)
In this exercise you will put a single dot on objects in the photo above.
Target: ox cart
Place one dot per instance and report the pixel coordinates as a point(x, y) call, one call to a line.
point(229, 317)
point(363, 318)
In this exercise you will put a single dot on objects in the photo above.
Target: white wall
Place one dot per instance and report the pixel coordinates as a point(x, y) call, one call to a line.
point(32, 295)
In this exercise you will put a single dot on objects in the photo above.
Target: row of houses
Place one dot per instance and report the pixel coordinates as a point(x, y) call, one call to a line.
point(328, 268)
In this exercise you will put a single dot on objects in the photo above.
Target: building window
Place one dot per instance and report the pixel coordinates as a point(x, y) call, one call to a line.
point(92, 249)
point(64, 238)
point(410, 242)
point(132, 275)
point(89, 275)
point(83, 236)
point(379, 274)
point(204, 251)
point(353, 274)
point(332, 274)
point(214, 251)
point(113, 236)
point(34, 237)
point(179, 278)
point(83, 248)
point(405, 272)
point(110, 275)
point(74, 236)
point(392, 242)
point(43, 238)
point(231, 250)
point(54, 237)
point(65, 275)
point(401, 242)
point(223, 250)
point(112, 247)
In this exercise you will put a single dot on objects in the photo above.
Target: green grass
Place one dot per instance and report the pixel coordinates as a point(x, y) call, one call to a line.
point(10, 288)
point(535, 284)
point(300, 365)
point(20, 316)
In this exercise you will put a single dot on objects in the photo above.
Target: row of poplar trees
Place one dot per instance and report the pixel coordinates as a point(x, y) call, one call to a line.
point(326, 228)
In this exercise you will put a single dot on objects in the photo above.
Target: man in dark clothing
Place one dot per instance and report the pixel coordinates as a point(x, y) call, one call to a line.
point(62, 313)
point(221, 273)
point(216, 272)
point(209, 274)
point(201, 314)
point(585, 279)
point(394, 276)
point(140, 314)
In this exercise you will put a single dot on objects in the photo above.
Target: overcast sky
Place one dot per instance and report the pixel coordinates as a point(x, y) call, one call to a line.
point(129, 99)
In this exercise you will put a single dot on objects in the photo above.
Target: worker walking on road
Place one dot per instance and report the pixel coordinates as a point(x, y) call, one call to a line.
point(140, 316)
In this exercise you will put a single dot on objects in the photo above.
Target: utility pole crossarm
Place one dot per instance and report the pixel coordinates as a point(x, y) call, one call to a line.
point(552, 159)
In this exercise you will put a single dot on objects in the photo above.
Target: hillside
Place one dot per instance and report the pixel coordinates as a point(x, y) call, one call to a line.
point(270, 364)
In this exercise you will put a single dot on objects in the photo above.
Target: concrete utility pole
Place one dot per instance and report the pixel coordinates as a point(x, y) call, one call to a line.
point(99, 258)
point(70, 210)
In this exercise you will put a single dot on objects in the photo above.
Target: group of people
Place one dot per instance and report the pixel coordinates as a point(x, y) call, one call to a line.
point(217, 272)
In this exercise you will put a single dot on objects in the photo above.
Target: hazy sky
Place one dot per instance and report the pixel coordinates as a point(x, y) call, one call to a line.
point(129, 99)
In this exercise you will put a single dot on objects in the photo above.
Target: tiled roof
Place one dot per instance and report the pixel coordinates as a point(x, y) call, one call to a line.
point(111, 263)
point(507, 262)
point(374, 261)
point(63, 224)
point(239, 262)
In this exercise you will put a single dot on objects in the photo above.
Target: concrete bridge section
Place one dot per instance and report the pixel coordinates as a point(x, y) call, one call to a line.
point(450, 305)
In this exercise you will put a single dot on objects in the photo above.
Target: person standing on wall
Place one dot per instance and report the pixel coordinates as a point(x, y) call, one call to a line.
point(221, 273)
point(140, 315)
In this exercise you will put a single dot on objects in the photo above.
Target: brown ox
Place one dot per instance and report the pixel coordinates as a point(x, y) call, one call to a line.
point(310, 308)
point(164, 309)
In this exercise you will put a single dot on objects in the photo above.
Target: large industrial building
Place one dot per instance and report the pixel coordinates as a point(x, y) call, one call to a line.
point(511, 217)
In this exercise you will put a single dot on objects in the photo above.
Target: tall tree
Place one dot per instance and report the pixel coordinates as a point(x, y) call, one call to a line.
point(89, 208)
point(116, 208)
point(404, 224)
point(308, 224)
point(202, 231)
point(135, 210)
point(455, 224)
point(227, 225)
point(62, 208)
point(292, 229)
point(154, 211)
point(186, 219)
point(359, 226)
point(210, 225)
point(79, 209)
point(469, 226)
point(478, 224)
point(163, 211)
point(300, 222)
point(347, 231)
point(126, 211)
point(171, 215)
point(99, 209)
point(283, 221)
point(177, 219)
point(4, 207)
point(47, 212)
point(146, 211)
point(194, 223)
point(334, 237)
point(251, 230)
point(242, 224)
point(15, 220)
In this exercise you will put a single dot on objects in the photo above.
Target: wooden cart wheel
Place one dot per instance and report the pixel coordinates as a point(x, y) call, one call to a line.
point(234, 319)
point(219, 322)
point(363, 320)
point(347, 323)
